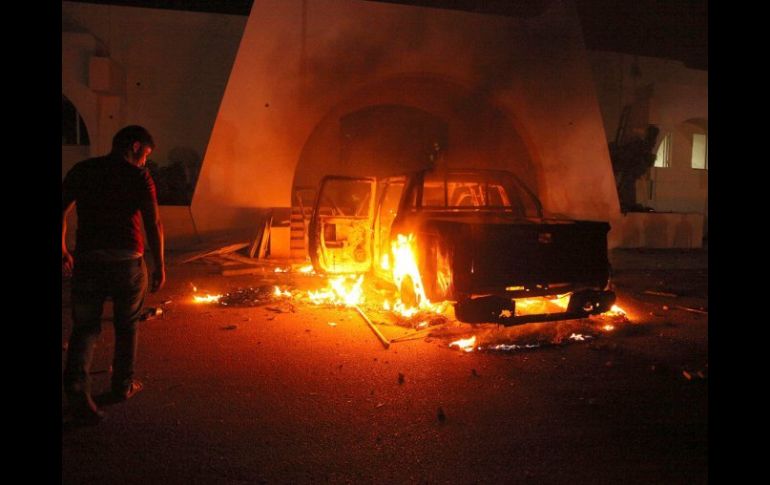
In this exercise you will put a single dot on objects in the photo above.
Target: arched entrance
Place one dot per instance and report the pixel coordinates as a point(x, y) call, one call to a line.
point(394, 125)
point(75, 139)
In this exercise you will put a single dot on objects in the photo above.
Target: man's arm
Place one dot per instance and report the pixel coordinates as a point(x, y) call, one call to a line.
point(66, 258)
point(68, 199)
point(155, 240)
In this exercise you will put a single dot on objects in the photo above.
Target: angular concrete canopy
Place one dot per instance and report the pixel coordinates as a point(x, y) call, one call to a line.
point(350, 86)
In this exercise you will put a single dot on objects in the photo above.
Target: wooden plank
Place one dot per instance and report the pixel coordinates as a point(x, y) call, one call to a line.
point(211, 252)
point(250, 269)
point(265, 238)
point(236, 258)
point(257, 241)
point(220, 260)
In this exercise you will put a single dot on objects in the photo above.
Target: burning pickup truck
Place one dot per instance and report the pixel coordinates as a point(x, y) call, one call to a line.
point(477, 238)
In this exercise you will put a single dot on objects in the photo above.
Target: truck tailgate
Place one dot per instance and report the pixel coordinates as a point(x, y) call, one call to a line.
point(486, 255)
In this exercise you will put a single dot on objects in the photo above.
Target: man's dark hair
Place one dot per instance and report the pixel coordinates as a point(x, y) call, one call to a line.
point(126, 137)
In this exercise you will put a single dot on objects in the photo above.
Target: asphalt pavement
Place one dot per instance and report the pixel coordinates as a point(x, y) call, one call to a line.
point(289, 392)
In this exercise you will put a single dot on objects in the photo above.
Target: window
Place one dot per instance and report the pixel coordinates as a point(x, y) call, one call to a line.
point(73, 129)
point(663, 157)
point(700, 151)
point(478, 190)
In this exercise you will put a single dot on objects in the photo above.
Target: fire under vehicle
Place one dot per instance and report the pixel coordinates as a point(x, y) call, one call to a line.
point(477, 238)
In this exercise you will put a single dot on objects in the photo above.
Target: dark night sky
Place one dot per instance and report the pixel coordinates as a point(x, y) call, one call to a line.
point(656, 28)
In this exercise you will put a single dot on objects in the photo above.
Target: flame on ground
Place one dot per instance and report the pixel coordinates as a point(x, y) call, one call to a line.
point(615, 311)
point(279, 293)
point(342, 290)
point(206, 299)
point(465, 344)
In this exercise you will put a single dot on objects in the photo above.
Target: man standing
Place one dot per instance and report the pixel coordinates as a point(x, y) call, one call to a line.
point(111, 194)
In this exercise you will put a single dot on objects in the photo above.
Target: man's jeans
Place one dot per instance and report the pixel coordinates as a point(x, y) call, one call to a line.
point(92, 283)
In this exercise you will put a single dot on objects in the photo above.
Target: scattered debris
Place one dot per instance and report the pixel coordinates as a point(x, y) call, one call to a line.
point(440, 415)
point(687, 375)
point(332, 324)
point(509, 347)
point(411, 336)
point(150, 312)
point(660, 293)
point(165, 302)
point(694, 310)
point(665, 307)
point(241, 270)
point(211, 252)
point(250, 297)
point(385, 342)
point(283, 308)
point(379, 405)
point(579, 338)
point(260, 243)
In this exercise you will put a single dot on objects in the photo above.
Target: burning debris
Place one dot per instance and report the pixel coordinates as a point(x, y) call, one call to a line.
point(249, 297)
point(493, 338)
point(510, 347)
point(206, 298)
point(412, 309)
point(465, 344)
point(150, 313)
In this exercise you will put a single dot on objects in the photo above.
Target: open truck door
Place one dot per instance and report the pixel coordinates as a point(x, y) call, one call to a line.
point(340, 232)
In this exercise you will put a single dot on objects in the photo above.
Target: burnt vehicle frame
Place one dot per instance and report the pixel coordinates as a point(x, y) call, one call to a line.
point(480, 238)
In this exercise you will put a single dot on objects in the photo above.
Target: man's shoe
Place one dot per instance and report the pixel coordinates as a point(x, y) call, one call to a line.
point(126, 392)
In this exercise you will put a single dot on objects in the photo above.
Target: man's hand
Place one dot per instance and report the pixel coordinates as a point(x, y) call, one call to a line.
point(66, 262)
point(158, 278)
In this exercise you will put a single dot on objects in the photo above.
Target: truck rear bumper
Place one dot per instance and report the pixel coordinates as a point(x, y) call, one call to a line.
point(502, 310)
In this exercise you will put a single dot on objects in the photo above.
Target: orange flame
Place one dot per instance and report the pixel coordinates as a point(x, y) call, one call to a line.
point(405, 265)
point(615, 311)
point(280, 293)
point(206, 299)
point(465, 344)
point(340, 292)
point(562, 301)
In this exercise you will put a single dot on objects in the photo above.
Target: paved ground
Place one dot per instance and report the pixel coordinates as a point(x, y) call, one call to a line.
point(269, 395)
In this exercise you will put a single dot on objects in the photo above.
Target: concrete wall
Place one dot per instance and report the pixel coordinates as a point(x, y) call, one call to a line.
point(163, 69)
point(678, 106)
point(660, 230)
point(303, 66)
